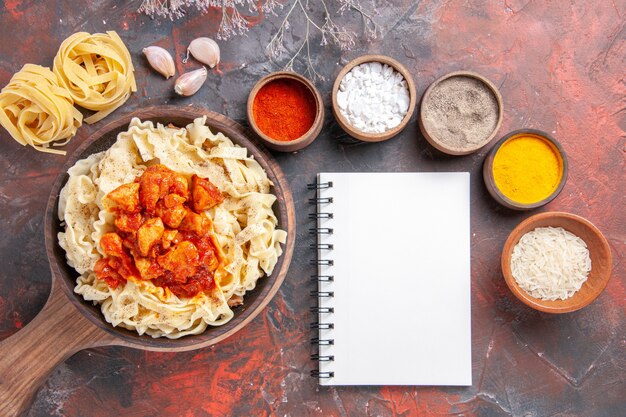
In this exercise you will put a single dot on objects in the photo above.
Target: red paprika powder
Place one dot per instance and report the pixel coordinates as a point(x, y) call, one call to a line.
point(284, 109)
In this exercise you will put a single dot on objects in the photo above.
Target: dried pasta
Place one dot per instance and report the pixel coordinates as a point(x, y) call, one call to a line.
point(244, 224)
point(36, 111)
point(97, 70)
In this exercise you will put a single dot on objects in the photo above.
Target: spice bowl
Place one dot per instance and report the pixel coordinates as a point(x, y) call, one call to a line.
point(460, 113)
point(357, 133)
point(599, 252)
point(525, 176)
point(288, 106)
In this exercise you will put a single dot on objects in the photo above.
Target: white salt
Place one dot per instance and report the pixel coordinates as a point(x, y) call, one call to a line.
point(373, 97)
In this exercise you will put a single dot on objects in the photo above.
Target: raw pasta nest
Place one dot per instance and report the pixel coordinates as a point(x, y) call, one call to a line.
point(97, 70)
point(245, 225)
point(36, 111)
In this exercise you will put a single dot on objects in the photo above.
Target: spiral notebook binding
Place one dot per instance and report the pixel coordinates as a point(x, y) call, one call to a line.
point(314, 216)
point(322, 342)
point(318, 325)
point(322, 358)
point(317, 374)
point(328, 262)
point(319, 310)
point(321, 230)
point(319, 217)
point(327, 246)
point(321, 200)
point(322, 278)
point(319, 185)
point(319, 294)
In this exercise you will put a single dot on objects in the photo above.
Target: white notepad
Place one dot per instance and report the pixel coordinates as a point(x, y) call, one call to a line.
point(399, 301)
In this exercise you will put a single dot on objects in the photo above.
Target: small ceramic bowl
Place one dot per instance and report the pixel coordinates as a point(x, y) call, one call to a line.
point(439, 143)
point(304, 140)
point(490, 181)
point(599, 252)
point(359, 134)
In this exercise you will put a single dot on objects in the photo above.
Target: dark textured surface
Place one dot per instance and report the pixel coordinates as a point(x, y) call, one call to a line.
point(559, 67)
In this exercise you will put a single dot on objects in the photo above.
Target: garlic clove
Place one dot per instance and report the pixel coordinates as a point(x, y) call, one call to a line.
point(160, 60)
point(205, 50)
point(190, 82)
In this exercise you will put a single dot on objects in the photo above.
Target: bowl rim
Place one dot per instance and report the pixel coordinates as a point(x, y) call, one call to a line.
point(438, 144)
point(546, 305)
point(132, 338)
point(490, 180)
point(374, 137)
point(310, 135)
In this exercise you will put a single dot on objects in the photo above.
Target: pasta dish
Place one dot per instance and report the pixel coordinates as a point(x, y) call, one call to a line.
point(169, 228)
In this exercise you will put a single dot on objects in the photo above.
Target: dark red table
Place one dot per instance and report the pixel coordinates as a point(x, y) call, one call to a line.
point(559, 67)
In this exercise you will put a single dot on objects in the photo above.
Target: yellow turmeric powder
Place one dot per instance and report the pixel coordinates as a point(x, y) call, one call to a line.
point(527, 168)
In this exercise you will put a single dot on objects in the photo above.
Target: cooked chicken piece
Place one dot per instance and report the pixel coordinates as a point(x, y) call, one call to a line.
point(128, 223)
point(111, 244)
point(178, 238)
point(180, 185)
point(148, 234)
point(148, 269)
point(154, 184)
point(209, 259)
point(235, 300)
point(157, 181)
point(181, 260)
point(171, 216)
point(204, 194)
point(194, 222)
point(126, 197)
point(105, 272)
point(129, 241)
point(168, 237)
point(172, 200)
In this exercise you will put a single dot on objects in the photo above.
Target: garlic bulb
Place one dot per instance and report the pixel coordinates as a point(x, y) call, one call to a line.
point(204, 50)
point(190, 82)
point(160, 60)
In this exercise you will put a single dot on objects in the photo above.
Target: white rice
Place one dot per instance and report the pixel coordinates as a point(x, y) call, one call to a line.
point(550, 263)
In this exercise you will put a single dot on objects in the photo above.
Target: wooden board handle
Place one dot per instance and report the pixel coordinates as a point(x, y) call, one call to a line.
point(28, 357)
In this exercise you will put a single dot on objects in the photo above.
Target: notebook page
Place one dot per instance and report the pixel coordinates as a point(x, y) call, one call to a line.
point(401, 252)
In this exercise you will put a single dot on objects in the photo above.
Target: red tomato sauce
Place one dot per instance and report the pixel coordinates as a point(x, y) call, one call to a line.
point(162, 233)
